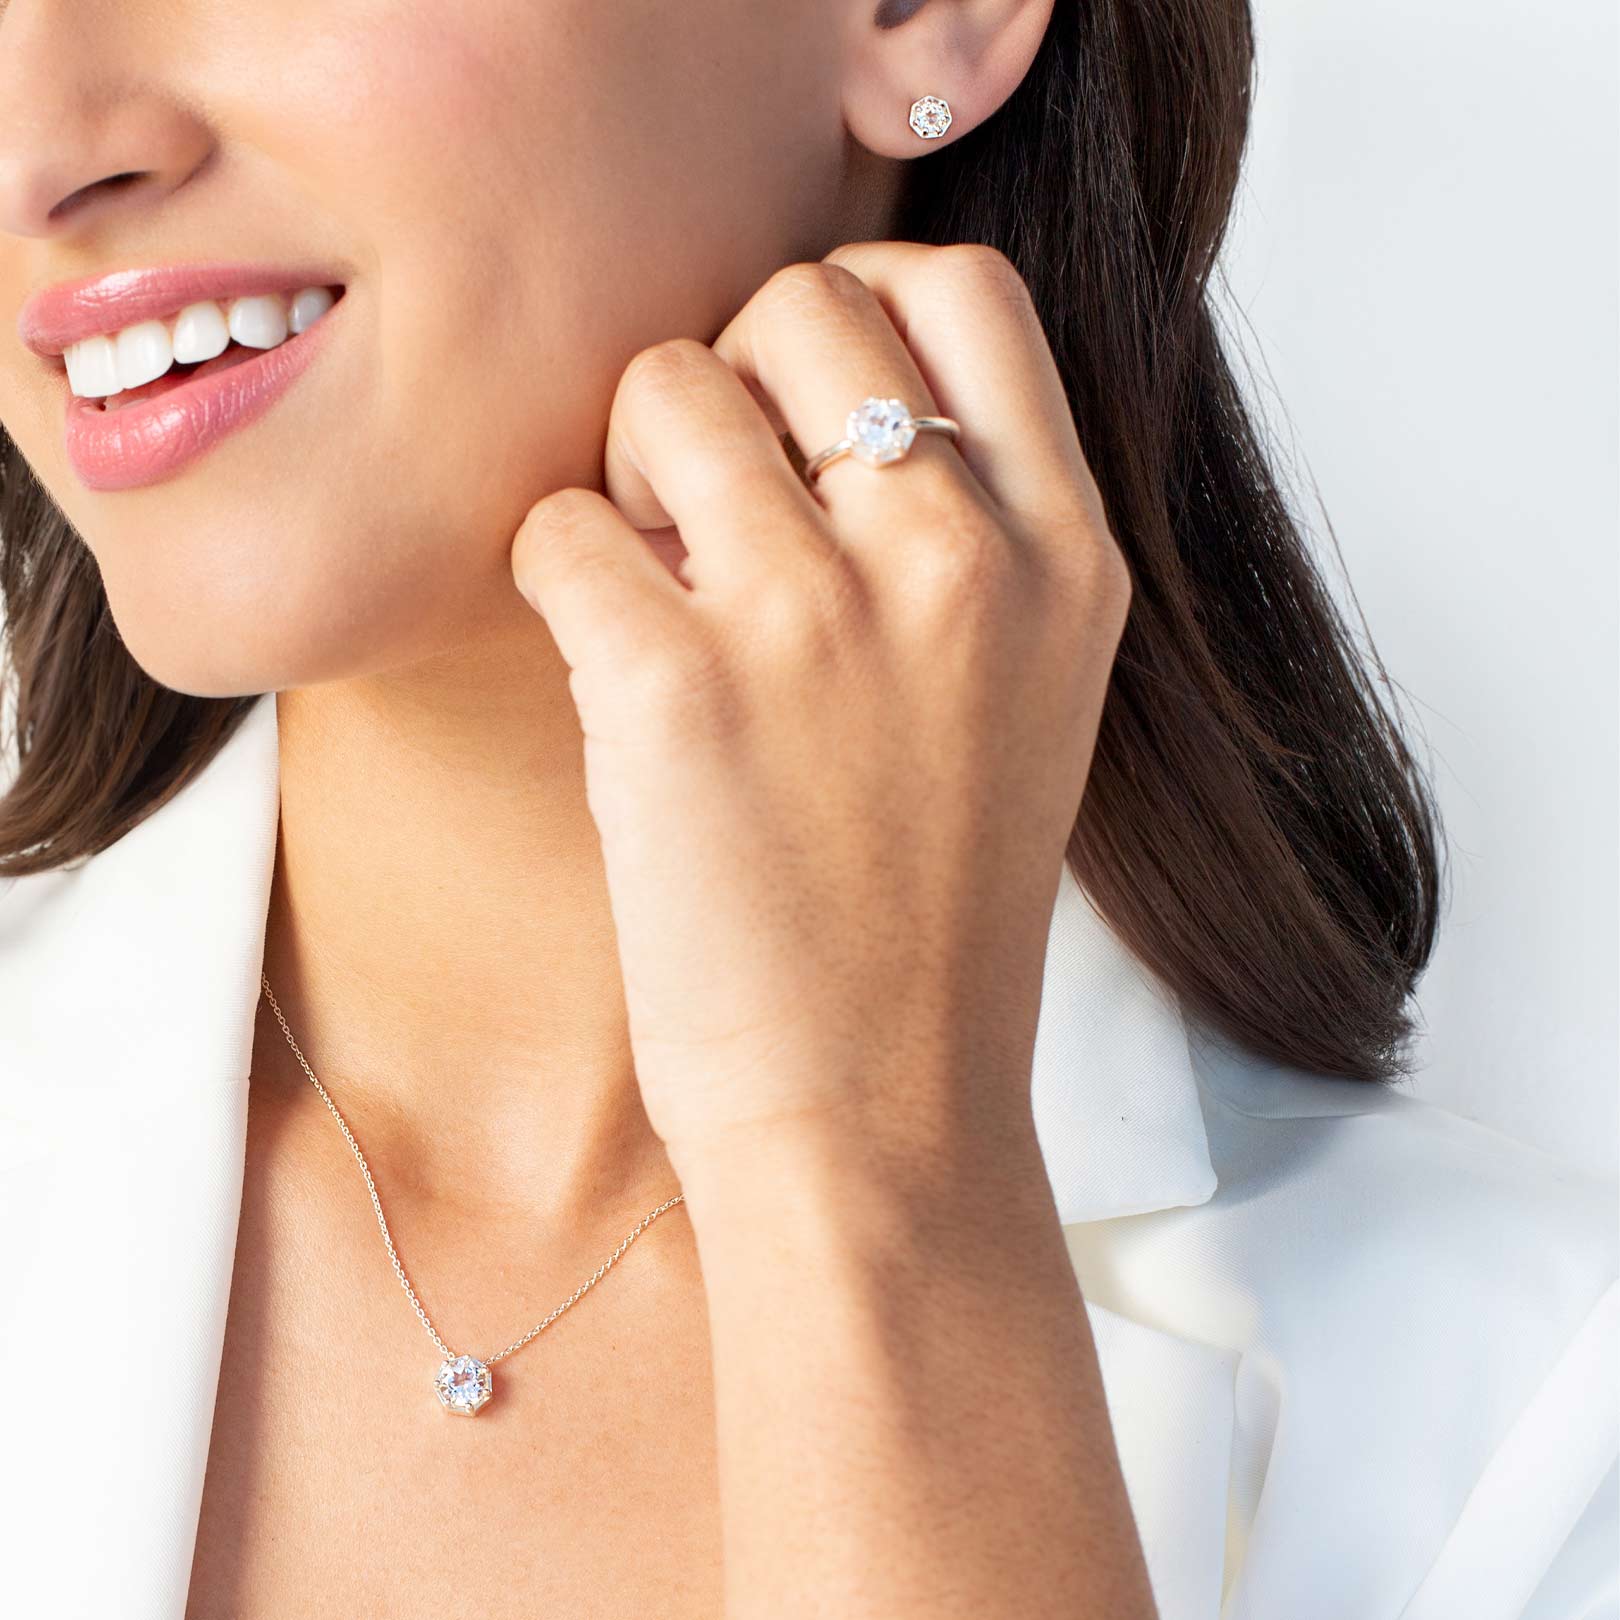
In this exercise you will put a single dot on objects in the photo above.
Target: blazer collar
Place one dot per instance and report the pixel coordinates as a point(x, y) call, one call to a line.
point(165, 931)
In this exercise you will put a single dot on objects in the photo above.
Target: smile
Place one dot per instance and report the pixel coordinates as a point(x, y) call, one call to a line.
point(147, 401)
point(114, 367)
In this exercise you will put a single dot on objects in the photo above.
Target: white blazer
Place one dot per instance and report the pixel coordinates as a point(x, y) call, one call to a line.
point(1360, 1353)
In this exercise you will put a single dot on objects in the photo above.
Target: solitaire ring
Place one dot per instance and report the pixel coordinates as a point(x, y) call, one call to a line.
point(879, 431)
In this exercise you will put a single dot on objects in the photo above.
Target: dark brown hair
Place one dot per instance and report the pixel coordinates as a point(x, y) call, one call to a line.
point(1254, 827)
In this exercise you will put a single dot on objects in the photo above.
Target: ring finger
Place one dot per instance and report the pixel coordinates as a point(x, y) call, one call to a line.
point(811, 344)
point(691, 441)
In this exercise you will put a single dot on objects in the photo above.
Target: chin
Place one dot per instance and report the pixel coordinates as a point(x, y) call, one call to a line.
point(205, 667)
point(206, 648)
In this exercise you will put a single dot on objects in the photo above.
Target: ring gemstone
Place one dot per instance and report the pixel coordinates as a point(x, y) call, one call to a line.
point(463, 1384)
point(880, 430)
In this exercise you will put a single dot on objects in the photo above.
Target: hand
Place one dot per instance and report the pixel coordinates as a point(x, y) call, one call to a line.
point(836, 738)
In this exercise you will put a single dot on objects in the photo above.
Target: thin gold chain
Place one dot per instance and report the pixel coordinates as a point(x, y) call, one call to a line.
point(376, 1204)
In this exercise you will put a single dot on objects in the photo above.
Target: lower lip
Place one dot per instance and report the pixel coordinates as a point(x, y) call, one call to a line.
point(154, 439)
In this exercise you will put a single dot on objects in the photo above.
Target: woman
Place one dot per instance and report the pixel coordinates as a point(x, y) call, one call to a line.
point(879, 991)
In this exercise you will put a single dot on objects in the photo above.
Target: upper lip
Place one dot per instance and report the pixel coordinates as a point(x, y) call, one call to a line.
point(57, 317)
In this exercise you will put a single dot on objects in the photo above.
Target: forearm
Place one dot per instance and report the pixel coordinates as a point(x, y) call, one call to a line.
point(909, 1410)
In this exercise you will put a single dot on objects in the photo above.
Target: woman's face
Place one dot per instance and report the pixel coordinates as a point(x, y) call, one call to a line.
point(514, 195)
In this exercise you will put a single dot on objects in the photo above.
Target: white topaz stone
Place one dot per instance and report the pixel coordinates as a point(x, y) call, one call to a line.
point(880, 430)
point(930, 117)
point(463, 1385)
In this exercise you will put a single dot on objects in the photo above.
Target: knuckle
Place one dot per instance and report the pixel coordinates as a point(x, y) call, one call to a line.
point(786, 607)
point(670, 672)
point(564, 511)
point(841, 605)
point(961, 566)
point(779, 615)
point(673, 677)
point(1117, 587)
point(804, 618)
point(1100, 559)
point(1093, 572)
point(812, 284)
point(672, 366)
point(718, 479)
point(691, 687)
point(978, 270)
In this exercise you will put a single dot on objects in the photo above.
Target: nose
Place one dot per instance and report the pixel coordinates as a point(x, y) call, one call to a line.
point(86, 132)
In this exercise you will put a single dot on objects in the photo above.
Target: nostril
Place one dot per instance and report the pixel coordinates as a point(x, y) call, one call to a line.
point(77, 199)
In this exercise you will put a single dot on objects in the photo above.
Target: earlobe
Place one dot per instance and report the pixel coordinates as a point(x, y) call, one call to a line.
point(972, 54)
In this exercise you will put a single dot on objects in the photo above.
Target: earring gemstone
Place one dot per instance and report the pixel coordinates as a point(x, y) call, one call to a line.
point(463, 1384)
point(930, 116)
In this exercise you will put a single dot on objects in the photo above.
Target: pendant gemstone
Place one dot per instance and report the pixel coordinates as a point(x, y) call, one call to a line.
point(880, 430)
point(463, 1384)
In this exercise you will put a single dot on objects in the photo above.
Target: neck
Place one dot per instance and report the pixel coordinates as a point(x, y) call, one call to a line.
point(441, 945)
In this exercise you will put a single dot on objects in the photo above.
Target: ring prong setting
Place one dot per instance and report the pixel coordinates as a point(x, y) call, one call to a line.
point(880, 430)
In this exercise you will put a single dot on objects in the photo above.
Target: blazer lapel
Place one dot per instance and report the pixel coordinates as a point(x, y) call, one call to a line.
point(1121, 1128)
point(129, 986)
point(1172, 1406)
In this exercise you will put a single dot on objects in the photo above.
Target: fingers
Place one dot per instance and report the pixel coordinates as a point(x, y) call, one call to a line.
point(814, 342)
point(688, 444)
point(965, 315)
point(693, 441)
point(606, 597)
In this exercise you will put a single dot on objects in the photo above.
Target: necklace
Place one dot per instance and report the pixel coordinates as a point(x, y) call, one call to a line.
point(463, 1383)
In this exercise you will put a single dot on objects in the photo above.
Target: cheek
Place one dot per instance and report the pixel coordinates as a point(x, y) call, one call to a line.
point(528, 194)
point(534, 192)
point(498, 183)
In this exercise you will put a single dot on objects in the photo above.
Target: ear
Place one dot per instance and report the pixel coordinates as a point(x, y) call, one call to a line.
point(971, 53)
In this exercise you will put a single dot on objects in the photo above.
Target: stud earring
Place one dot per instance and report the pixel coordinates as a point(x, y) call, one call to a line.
point(930, 116)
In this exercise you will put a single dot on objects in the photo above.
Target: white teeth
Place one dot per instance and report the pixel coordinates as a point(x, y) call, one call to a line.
point(93, 367)
point(144, 352)
point(308, 307)
point(258, 322)
point(200, 333)
point(104, 366)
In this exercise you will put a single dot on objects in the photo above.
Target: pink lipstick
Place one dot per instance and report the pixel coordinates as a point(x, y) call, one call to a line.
point(144, 435)
point(59, 316)
point(151, 439)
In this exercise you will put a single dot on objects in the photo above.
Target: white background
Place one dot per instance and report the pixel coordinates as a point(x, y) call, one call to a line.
point(1425, 251)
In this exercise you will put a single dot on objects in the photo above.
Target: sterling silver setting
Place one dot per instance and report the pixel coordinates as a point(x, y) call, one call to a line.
point(463, 1385)
point(879, 431)
point(930, 116)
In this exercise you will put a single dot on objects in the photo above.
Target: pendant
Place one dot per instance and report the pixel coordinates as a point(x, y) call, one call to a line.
point(463, 1384)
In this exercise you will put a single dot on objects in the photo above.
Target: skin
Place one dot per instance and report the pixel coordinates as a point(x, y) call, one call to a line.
point(717, 856)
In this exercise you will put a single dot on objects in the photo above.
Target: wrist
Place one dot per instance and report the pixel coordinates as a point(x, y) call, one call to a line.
point(848, 1178)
